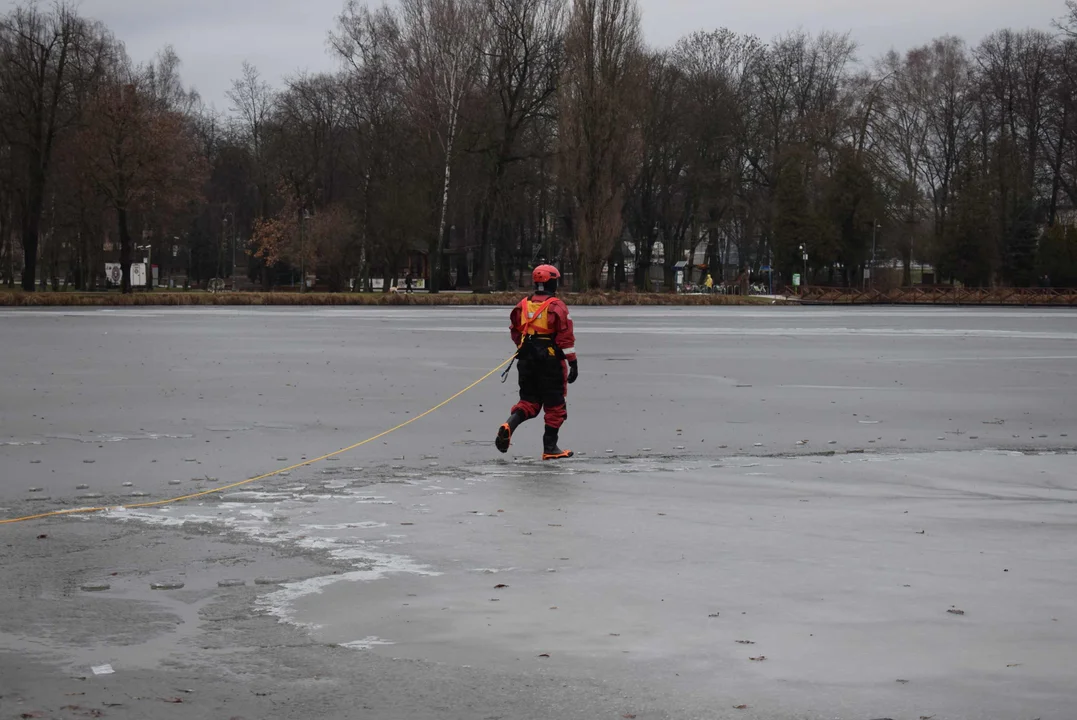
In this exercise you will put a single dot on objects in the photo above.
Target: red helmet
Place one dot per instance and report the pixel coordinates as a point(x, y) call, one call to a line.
point(544, 274)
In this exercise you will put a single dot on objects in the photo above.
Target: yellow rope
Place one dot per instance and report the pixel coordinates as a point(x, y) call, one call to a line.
point(305, 463)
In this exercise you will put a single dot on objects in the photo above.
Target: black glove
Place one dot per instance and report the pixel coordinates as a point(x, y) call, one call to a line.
point(573, 371)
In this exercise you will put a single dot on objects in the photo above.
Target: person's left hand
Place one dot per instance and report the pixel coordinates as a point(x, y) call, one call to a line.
point(573, 371)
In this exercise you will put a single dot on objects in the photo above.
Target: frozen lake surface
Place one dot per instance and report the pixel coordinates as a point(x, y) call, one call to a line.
point(877, 505)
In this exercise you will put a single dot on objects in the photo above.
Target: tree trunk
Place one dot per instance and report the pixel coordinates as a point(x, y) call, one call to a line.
point(30, 226)
point(84, 261)
point(125, 249)
point(1056, 170)
point(644, 251)
point(482, 267)
point(6, 251)
point(439, 270)
point(481, 278)
point(433, 259)
point(591, 272)
point(363, 264)
point(462, 279)
point(714, 255)
point(527, 248)
point(616, 263)
point(31, 219)
point(493, 195)
point(54, 265)
point(502, 269)
point(446, 276)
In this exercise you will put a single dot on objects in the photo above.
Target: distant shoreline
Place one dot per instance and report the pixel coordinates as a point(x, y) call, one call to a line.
point(419, 299)
point(939, 297)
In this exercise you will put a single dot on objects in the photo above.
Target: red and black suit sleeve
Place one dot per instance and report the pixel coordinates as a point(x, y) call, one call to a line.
point(564, 332)
point(515, 324)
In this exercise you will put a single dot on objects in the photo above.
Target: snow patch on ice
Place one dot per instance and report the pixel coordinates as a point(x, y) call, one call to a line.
point(366, 643)
point(281, 603)
point(264, 525)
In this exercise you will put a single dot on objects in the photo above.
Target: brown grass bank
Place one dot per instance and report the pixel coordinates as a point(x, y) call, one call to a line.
point(163, 298)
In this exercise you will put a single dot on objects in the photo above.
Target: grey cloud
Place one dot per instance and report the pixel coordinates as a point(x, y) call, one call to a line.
point(282, 37)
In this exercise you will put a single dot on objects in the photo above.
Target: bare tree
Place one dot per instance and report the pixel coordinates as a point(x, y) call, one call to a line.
point(1014, 75)
point(521, 64)
point(903, 130)
point(252, 102)
point(718, 69)
point(441, 50)
point(1060, 128)
point(305, 144)
point(383, 153)
point(78, 212)
point(598, 132)
point(1068, 24)
point(138, 155)
point(951, 103)
point(252, 113)
point(308, 126)
point(7, 206)
point(662, 158)
point(164, 86)
point(800, 104)
point(47, 59)
point(505, 126)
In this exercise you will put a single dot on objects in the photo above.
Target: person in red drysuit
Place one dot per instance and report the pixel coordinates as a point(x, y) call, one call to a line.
point(543, 333)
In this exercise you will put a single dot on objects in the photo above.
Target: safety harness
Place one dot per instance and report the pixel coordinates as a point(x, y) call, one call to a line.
point(531, 317)
point(527, 319)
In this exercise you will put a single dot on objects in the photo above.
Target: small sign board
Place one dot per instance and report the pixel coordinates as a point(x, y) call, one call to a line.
point(115, 276)
point(138, 274)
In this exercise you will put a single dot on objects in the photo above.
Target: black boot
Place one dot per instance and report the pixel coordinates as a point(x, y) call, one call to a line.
point(504, 433)
point(550, 451)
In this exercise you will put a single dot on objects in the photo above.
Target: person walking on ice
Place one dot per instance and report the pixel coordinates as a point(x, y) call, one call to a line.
point(546, 362)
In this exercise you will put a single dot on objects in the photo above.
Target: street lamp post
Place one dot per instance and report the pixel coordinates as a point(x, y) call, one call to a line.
point(770, 268)
point(874, 232)
point(172, 264)
point(235, 238)
point(230, 219)
point(303, 250)
point(804, 257)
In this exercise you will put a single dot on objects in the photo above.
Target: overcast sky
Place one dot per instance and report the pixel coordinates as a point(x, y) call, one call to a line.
point(281, 37)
